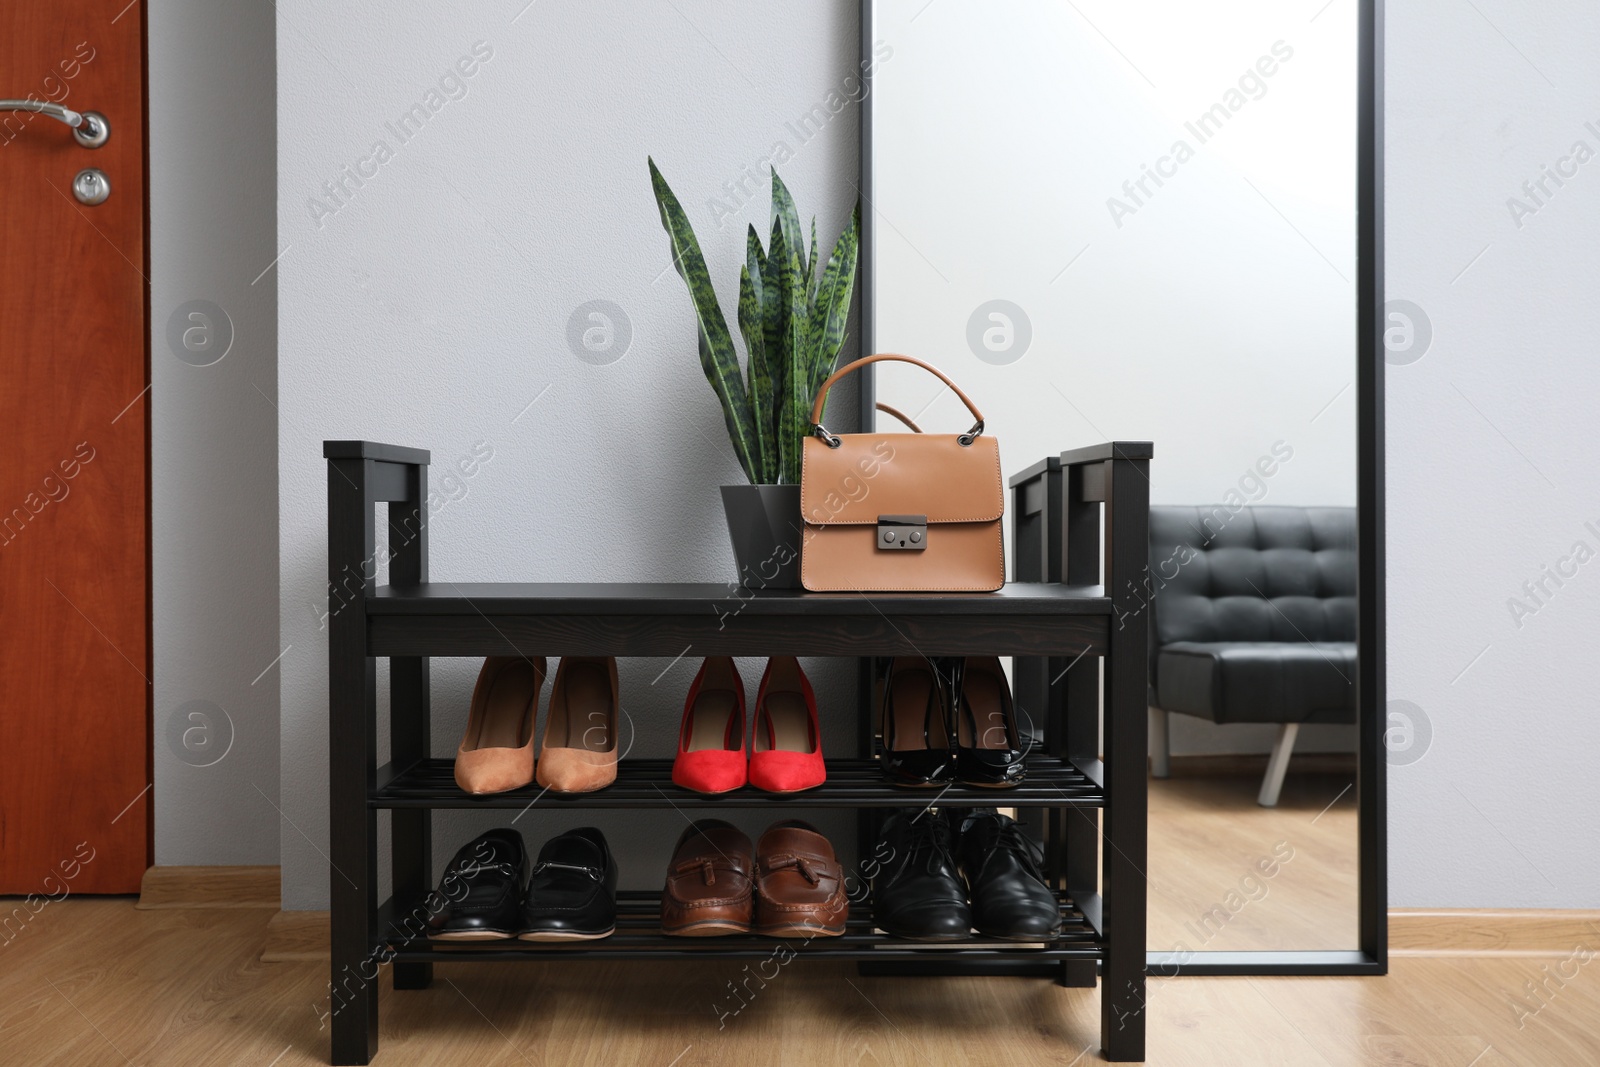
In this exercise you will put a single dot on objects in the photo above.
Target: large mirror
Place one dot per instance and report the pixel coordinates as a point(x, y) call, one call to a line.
point(1138, 221)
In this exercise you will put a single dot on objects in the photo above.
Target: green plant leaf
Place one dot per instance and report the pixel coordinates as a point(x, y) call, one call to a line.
point(832, 312)
point(785, 216)
point(755, 256)
point(772, 305)
point(822, 359)
point(775, 316)
point(763, 393)
point(753, 326)
point(717, 356)
point(812, 277)
point(794, 412)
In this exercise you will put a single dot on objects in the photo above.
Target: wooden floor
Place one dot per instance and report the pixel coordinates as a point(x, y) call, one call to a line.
point(96, 982)
point(1207, 837)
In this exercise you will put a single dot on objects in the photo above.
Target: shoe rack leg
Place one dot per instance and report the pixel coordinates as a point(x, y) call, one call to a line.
point(1074, 680)
point(409, 721)
point(1074, 974)
point(1075, 831)
point(867, 820)
point(1126, 743)
point(411, 828)
point(352, 764)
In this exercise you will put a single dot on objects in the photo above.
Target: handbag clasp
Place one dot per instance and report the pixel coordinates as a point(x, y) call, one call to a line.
point(821, 431)
point(903, 533)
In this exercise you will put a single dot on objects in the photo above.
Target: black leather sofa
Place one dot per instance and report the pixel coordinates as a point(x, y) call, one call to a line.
point(1253, 620)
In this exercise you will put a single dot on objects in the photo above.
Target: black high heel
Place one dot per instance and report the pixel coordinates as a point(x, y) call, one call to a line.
point(916, 734)
point(988, 749)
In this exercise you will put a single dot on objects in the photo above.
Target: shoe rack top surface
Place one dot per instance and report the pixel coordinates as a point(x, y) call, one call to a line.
point(643, 619)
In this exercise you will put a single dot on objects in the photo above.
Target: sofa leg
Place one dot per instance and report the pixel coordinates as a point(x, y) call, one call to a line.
point(1160, 745)
point(1278, 765)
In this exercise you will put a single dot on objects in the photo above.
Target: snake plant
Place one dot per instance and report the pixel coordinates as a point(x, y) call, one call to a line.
point(792, 317)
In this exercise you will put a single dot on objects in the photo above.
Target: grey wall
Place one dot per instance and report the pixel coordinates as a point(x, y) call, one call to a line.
point(214, 512)
point(429, 305)
point(1492, 455)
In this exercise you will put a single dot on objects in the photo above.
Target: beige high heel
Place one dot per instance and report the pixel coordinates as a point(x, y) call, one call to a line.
point(496, 752)
point(579, 752)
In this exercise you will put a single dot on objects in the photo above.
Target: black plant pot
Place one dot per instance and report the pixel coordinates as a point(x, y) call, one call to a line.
point(764, 523)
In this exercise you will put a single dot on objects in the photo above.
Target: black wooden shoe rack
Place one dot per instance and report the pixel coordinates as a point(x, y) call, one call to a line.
point(1079, 557)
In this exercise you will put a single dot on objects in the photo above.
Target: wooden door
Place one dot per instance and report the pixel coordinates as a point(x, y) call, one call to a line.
point(74, 563)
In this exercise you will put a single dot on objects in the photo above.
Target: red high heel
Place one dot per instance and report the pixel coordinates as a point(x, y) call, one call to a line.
point(785, 739)
point(711, 756)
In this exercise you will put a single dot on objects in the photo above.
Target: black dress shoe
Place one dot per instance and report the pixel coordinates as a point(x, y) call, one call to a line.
point(480, 896)
point(572, 894)
point(916, 734)
point(917, 892)
point(1003, 867)
point(988, 749)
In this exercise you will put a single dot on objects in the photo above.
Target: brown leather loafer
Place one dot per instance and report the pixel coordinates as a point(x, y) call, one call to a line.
point(800, 888)
point(709, 889)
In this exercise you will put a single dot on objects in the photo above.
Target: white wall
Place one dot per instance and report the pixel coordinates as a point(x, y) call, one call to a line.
point(431, 309)
point(1491, 454)
point(1212, 313)
point(214, 478)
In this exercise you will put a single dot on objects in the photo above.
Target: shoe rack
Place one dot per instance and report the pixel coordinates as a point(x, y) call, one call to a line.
point(1080, 534)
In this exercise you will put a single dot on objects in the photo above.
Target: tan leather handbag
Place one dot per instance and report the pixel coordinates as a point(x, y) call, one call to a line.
point(900, 512)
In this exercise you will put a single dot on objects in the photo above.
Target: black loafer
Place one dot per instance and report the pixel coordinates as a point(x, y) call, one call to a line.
point(480, 896)
point(988, 748)
point(1005, 877)
point(572, 894)
point(916, 733)
point(917, 892)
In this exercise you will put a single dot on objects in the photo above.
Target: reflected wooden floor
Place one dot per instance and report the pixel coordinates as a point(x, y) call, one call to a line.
point(95, 982)
point(1208, 838)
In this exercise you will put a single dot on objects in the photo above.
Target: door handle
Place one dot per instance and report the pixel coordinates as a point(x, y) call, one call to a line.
point(89, 128)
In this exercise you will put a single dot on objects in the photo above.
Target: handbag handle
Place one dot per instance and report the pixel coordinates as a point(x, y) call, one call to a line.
point(822, 396)
point(889, 409)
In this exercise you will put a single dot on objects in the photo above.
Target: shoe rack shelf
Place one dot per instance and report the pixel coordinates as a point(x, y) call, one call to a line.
point(639, 936)
point(1072, 619)
point(641, 783)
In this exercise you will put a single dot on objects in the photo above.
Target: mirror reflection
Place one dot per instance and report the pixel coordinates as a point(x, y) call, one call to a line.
point(1113, 221)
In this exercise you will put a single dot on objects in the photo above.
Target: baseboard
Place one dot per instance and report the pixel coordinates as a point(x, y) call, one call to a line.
point(1254, 765)
point(1491, 932)
point(209, 887)
point(296, 936)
